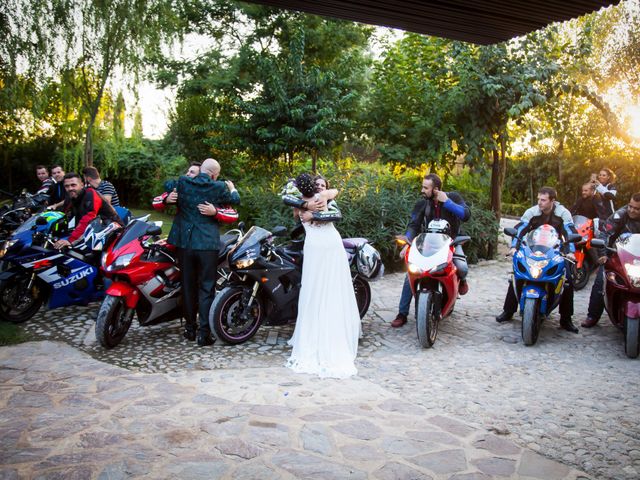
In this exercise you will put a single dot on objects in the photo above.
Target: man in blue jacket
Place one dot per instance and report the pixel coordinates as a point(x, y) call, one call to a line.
point(195, 233)
point(435, 204)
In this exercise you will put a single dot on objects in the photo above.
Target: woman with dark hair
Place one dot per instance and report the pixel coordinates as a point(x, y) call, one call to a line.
point(606, 191)
point(325, 340)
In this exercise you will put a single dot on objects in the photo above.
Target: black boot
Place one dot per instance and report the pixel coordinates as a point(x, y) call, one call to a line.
point(189, 334)
point(205, 339)
point(504, 317)
point(567, 324)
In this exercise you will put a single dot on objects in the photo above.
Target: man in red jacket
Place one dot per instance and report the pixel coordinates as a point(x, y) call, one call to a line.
point(83, 204)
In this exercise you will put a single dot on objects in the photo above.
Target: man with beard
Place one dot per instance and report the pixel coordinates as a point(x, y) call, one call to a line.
point(83, 204)
point(435, 204)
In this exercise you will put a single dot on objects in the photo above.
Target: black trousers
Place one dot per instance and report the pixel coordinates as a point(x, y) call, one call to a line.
point(198, 269)
point(566, 300)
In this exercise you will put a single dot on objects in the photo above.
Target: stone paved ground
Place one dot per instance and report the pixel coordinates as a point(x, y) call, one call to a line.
point(478, 405)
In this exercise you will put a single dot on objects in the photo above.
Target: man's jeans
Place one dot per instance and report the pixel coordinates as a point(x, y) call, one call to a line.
point(405, 297)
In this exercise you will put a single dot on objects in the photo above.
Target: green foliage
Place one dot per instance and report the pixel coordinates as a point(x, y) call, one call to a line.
point(12, 334)
point(375, 201)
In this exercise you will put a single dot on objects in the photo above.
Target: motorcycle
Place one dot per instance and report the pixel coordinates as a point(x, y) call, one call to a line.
point(54, 223)
point(39, 273)
point(584, 264)
point(622, 289)
point(265, 283)
point(145, 281)
point(539, 276)
point(22, 207)
point(433, 277)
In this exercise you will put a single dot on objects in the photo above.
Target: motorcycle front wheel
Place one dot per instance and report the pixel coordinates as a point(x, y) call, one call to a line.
point(426, 319)
point(362, 291)
point(632, 337)
point(530, 321)
point(18, 301)
point(229, 318)
point(113, 321)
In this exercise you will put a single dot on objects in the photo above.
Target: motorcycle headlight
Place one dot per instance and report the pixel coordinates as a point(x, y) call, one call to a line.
point(5, 246)
point(244, 263)
point(536, 267)
point(413, 268)
point(633, 271)
point(122, 261)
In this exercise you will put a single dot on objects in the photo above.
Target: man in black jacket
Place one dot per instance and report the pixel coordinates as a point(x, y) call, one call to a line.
point(435, 204)
point(625, 220)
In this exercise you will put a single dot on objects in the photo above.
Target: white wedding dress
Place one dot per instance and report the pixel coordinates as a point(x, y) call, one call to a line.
point(325, 340)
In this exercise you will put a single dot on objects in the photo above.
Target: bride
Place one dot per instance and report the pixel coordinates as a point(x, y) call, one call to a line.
point(325, 340)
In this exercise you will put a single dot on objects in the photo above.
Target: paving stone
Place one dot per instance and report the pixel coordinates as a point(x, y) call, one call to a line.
point(393, 405)
point(470, 476)
point(194, 470)
point(302, 465)
point(13, 455)
point(537, 466)
point(496, 466)
point(434, 436)
point(452, 426)
point(497, 445)
point(323, 416)
point(447, 461)
point(360, 429)
point(205, 399)
point(239, 448)
point(405, 447)
point(271, 411)
point(316, 438)
point(81, 472)
point(400, 471)
point(254, 471)
point(30, 400)
point(8, 474)
point(360, 452)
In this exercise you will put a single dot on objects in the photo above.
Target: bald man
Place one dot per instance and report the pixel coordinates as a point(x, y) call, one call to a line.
point(195, 233)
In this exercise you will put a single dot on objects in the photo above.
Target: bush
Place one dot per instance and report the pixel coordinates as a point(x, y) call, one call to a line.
point(376, 203)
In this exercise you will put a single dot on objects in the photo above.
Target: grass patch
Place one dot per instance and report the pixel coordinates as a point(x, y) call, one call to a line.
point(166, 219)
point(11, 334)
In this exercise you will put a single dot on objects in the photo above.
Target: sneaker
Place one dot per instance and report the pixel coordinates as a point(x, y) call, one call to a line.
point(463, 288)
point(204, 340)
point(399, 321)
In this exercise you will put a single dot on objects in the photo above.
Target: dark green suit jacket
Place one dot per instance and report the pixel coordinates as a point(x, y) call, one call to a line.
point(191, 229)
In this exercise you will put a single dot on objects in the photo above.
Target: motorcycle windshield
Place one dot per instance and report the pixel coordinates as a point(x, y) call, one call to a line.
point(580, 221)
point(132, 232)
point(28, 223)
point(250, 242)
point(629, 243)
point(542, 239)
point(429, 244)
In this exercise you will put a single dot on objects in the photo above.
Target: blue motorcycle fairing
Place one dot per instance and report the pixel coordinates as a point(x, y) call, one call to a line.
point(549, 268)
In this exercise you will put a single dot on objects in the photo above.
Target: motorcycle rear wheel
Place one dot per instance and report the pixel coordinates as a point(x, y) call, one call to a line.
point(18, 303)
point(632, 337)
point(580, 275)
point(362, 291)
point(530, 322)
point(426, 319)
point(113, 321)
point(225, 316)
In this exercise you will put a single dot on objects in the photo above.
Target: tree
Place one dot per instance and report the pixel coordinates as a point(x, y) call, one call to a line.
point(293, 85)
point(91, 38)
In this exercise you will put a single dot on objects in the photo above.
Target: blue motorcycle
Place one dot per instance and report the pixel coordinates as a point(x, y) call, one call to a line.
point(539, 276)
point(37, 273)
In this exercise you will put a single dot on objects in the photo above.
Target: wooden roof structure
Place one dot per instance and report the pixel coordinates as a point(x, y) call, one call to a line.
point(482, 22)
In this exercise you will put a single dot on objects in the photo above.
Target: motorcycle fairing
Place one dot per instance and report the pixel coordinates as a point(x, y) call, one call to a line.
point(429, 250)
point(632, 309)
point(126, 291)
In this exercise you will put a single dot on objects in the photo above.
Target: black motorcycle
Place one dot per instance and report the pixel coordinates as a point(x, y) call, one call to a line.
point(22, 206)
point(265, 283)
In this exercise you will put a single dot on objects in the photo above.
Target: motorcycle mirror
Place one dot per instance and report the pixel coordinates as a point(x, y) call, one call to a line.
point(512, 232)
point(574, 238)
point(241, 226)
point(153, 230)
point(597, 242)
point(41, 221)
point(460, 240)
point(279, 231)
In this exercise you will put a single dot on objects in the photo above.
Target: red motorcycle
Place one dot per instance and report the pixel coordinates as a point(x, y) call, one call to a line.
point(145, 281)
point(433, 278)
point(622, 289)
point(585, 261)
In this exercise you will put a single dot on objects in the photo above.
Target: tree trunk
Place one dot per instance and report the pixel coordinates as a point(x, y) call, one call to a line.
point(314, 160)
point(8, 169)
point(88, 147)
point(560, 161)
